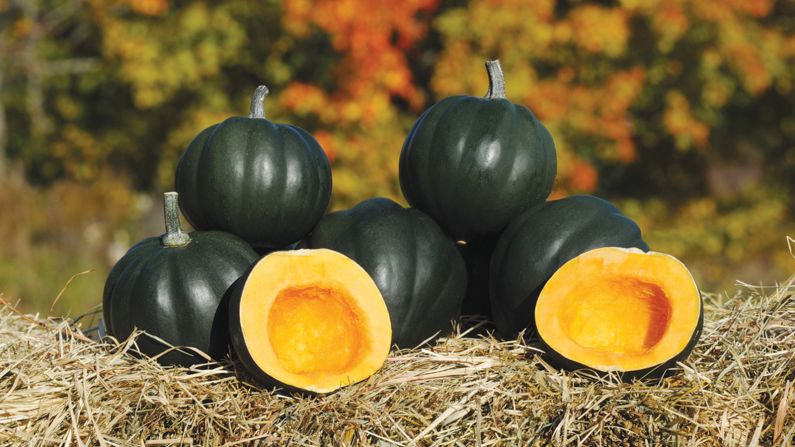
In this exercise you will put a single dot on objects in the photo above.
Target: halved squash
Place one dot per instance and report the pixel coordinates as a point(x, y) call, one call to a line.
point(620, 309)
point(310, 320)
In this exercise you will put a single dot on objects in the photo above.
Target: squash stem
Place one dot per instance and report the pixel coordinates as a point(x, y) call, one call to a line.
point(257, 109)
point(496, 80)
point(174, 236)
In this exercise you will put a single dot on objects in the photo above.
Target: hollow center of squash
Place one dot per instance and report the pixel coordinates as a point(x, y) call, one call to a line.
point(316, 330)
point(616, 314)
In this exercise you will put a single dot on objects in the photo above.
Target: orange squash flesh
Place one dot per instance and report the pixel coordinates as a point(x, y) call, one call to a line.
point(316, 330)
point(617, 309)
point(311, 320)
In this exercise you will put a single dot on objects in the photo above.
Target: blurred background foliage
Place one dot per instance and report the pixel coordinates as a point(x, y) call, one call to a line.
point(681, 111)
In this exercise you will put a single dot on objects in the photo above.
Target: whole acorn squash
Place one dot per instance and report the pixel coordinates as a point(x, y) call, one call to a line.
point(418, 270)
point(264, 182)
point(172, 288)
point(539, 242)
point(474, 164)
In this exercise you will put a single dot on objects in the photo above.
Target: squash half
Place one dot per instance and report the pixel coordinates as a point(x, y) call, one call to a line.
point(620, 309)
point(310, 320)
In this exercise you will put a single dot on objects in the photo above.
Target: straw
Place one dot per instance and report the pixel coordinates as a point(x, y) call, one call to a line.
point(57, 387)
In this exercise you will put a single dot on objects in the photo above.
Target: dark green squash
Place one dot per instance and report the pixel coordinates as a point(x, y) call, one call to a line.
point(474, 164)
point(172, 287)
point(541, 240)
point(418, 270)
point(264, 182)
point(265, 251)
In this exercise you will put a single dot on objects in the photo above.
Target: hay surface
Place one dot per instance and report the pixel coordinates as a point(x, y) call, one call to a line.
point(735, 389)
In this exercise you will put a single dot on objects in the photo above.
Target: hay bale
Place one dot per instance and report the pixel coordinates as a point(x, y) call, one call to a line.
point(56, 386)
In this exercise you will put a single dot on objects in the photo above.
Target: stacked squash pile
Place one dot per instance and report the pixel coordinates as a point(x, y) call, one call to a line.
point(480, 236)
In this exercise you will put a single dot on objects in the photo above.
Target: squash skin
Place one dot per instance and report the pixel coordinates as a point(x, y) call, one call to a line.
point(238, 343)
point(474, 164)
point(539, 242)
point(477, 257)
point(265, 251)
point(264, 182)
point(418, 270)
point(176, 293)
point(654, 372)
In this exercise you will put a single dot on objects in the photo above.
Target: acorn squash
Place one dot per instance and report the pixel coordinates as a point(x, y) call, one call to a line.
point(621, 310)
point(172, 287)
point(309, 320)
point(474, 164)
point(264, 182)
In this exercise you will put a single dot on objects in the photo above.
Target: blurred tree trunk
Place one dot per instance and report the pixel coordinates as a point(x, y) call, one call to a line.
point(21, 63)
point(39, 121)
point(3, 125)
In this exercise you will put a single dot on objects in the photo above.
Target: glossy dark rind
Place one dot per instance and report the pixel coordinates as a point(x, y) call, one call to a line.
point(477, 257)
point(266, 183)
point(474, 164)
point(265, 251)
point(539, 242)
point(654, 372)
point(175, 293)
point(418, 270)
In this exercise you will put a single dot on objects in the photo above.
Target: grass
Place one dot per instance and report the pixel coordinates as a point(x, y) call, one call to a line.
point(59, 387)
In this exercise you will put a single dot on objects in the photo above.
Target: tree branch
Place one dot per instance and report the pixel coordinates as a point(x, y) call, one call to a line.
point(40, 122)
point(71, 66)
point(3, 124)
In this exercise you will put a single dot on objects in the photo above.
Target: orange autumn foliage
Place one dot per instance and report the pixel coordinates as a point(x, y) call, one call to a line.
point(326, 141)
point(583, 177)
point(597, 29)
point(149, 7)
point(373, 36)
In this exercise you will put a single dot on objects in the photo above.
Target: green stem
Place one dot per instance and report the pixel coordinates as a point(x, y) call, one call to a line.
point(496, 80)
point(174, 236)
point(257, 109)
